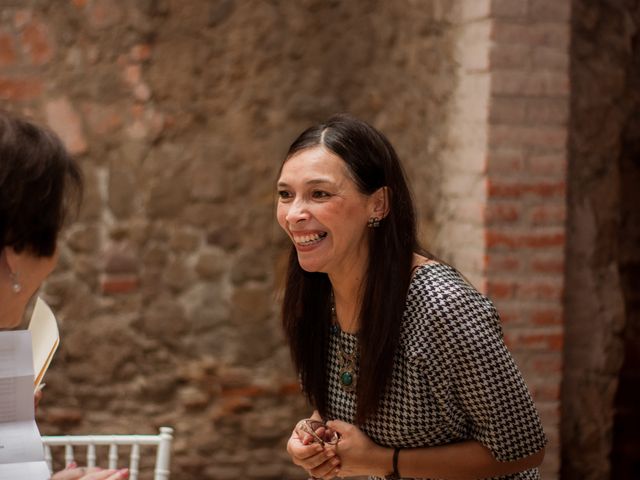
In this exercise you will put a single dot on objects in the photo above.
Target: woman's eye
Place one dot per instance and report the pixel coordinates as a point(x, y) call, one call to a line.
point(284, 195)
point(320, 194)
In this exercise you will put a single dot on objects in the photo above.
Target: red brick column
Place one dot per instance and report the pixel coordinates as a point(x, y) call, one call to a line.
point(526, 194)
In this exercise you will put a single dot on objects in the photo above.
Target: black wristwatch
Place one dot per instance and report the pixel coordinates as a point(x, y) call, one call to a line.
point(395, 475)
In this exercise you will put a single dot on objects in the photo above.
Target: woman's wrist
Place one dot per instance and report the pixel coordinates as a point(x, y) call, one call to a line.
point(383, 461)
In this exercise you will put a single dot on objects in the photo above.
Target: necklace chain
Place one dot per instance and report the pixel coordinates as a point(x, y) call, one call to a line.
point(347, 374)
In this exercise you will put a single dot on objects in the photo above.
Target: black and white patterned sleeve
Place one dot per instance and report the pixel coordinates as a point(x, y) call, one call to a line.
point(483, 378)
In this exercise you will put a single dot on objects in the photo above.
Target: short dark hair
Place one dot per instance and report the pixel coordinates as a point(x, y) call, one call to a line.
point(39, 182)
point(373, 163)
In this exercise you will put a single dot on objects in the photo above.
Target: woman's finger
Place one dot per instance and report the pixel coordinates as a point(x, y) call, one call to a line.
point(328, 469)
point(321, 463)
point(73, 473)
point(110, 474)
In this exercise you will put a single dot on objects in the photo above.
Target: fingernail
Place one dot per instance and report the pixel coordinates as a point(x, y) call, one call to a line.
point(72, 465)
point(124, 472)
point(335, 461)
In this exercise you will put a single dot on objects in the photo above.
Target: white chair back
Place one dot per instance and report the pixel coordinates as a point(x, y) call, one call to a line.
point(162, 442)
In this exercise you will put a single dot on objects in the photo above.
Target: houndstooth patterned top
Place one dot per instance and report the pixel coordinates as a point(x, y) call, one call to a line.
point(453, 378)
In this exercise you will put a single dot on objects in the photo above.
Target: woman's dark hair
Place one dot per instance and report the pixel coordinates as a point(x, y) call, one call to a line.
point(38, 180)
point(373, 163)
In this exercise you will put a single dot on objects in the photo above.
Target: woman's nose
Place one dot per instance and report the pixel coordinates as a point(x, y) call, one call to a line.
point(297, 212)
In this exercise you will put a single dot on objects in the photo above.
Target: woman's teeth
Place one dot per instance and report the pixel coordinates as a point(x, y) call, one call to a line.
point(305, 240)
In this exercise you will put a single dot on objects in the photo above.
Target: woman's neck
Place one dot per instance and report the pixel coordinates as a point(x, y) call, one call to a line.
point(347, 296)
point(11, 310)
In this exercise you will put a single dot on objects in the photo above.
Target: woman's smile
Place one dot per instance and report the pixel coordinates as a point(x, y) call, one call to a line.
point(308, 239)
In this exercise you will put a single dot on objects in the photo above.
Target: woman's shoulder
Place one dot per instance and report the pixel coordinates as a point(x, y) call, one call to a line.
point(428, 275)
point(440, 297)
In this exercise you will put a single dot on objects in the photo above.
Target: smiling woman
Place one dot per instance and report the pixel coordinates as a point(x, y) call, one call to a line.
point(395, 350)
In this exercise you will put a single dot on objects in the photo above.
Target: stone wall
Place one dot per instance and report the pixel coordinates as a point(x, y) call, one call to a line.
point(602, 251)
point(180, 112)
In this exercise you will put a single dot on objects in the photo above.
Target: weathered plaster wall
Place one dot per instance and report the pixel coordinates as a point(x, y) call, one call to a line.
point(602, 247)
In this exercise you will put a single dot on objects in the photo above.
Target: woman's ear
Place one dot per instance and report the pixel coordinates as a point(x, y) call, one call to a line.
point(9, 258)
point(380, 202)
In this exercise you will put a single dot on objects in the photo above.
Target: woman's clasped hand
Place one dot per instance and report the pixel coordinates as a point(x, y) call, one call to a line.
point(351, 454)
point(312, 446)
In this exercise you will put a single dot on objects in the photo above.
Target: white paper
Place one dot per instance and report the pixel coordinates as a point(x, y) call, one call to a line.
point(45, 337)
point(21, 450)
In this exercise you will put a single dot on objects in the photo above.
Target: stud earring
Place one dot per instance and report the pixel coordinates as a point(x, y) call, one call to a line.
point(374, 222)
point(15, 284)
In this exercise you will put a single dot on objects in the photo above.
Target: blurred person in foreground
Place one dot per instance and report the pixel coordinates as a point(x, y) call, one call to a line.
point(39, 183)
point(401, 358)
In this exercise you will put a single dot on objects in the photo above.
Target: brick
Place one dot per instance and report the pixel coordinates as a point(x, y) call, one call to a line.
point(7, 50)
point(553, 263)
point(550, 58)
point(66, 122)
point(509, 9)
point(506, 110)
point(545, 364)
point(22, 17)
point(102, 119)
point(132, 74)
point(540, 137)
point(505, 161)
point(539, 83)
point(37, 42)
point(509, 316)
point(104, 13)
point(291, 388)
point(119, 284)
point(543, 316)
point(548, 164)
point(552, 35)
point(140, 52)
point(503, 212)
point(518, 188)
point(500, 289)
point(546, 389)
point(510, 56)
point(547, 111)
point(503, 238)
point(549, 214)
point(501, 262)
point(540, 290)
point(20, 88)
point(535, 340)
point(550, 10)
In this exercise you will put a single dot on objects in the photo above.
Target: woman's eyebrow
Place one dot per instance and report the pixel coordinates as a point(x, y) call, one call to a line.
point(313, 181)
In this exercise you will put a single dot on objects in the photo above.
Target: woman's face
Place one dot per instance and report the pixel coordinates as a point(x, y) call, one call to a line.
point(323, 212)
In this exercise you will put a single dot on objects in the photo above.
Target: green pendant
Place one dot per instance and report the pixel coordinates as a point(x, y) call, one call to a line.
point(346, 378)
